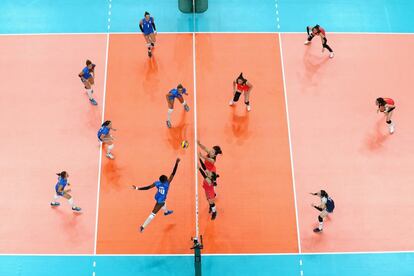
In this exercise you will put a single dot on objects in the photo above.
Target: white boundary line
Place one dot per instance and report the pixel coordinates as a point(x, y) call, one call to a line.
point(290, 143)
point(216, 254)
point(273, 32)
point(197, 229)
point(100, 148)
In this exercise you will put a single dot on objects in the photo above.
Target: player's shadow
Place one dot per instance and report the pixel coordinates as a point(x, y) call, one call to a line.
point(70, 222)
point(374, 141)
point(178, 133)
point(312, 64)
point(240, 124)
point(94, 115)
point(112, 173)
point(151, 80)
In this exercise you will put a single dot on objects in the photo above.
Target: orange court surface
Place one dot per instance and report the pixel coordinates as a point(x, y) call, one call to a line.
point(313, 126)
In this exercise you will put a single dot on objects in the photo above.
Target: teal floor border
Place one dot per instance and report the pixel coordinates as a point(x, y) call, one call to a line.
point(76, 16)
point(374, 264)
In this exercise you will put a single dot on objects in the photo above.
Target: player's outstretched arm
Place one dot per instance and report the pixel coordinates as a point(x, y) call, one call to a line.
point(153, 26)
point(143, 188)
point(203, 147)
point(174, 170)
point(250, 86)
point(141, 26)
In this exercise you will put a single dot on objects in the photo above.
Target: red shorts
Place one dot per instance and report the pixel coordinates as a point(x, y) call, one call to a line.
point(209, 189)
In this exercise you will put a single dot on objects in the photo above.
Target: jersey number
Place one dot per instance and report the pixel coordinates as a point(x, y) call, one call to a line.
point(161, 190)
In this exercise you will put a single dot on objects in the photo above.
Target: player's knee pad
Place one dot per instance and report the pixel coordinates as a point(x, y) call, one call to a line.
point(320, 219)
point(236, 96)
point(170, 110)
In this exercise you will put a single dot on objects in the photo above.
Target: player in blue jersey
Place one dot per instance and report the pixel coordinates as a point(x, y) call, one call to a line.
point(106, 138)
point(326, 207)
point(147, 26)
point(162, 185)
point(62, 192)
point(87, 76)
point(171, 96)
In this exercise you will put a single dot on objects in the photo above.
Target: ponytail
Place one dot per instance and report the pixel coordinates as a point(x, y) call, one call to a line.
point(106, 123)
point(380, 102)
point(62, 174)
point(240, 77)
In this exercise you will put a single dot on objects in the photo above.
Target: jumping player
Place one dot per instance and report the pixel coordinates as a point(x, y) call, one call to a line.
point(326, 207)
point(87, 76)
point(209, 183)
point(149, 31)
point(241, 85)
point(61, 192)
point(162, 186)
point(319, 31)
point(207, 161)
point(387, 106)
point(175, 93)
point(106, 138)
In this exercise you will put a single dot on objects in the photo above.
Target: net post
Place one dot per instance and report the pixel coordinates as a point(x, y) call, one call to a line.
point(197, 247)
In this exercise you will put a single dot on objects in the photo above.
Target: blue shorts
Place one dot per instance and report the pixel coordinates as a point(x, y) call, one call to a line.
point(173, 97)
point(160, 199)
point(59, 193)
point(146, 33)
point(83, 79)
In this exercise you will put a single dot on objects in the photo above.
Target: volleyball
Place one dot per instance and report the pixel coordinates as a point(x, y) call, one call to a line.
point(184, 144)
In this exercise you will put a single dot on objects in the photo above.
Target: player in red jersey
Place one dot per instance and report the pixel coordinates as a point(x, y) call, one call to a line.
point(387, 106)
point(241, 85)
point(207, 161)
point(209, 183)
point(319, 31)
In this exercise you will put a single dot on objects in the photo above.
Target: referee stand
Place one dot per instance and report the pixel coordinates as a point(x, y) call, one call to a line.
point(197, 246)
point(188, 6)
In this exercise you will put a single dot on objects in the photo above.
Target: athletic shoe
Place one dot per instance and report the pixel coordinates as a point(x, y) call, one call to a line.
point(76, 209)
point(93, 102)
point(186, 108)
point(248, 107)
point(169, 212)
point(231, 103)
point(152, 44)
point(307, 42)
point(141, 229)
point(391, 128)
point(331, 55)
point(149, 54)
point(168, 124)
point(214, 215)
point(110, 156)
point(54, 204)
point(317, 230)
